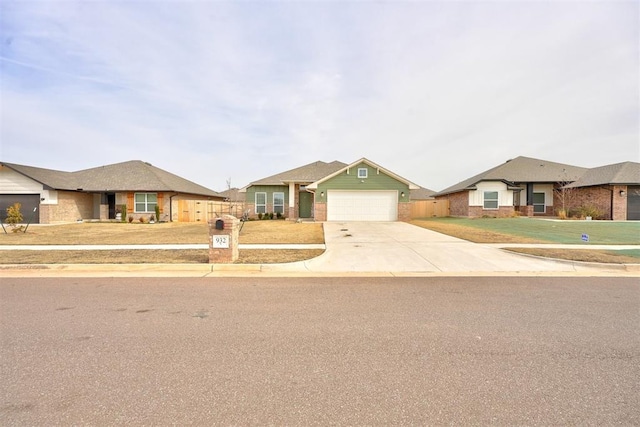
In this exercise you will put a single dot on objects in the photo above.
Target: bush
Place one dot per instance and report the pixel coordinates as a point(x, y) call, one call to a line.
point(278, 215)
point(14, 217)
point(141, 219)
point(270, 215)
point(589, 210)
point(123, 209)
point(152, 218)
point(130, 219)
point(260, 216)
point(158, 212)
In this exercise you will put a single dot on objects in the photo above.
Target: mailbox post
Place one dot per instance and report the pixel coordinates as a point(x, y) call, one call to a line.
point(223, 240)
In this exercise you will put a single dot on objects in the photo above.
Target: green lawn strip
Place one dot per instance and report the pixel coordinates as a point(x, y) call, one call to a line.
point(565, 232)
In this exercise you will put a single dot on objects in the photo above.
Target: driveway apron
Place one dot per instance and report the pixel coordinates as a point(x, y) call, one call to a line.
point(402, 247)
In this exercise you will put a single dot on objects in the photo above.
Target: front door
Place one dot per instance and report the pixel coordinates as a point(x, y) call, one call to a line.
point(305, 204)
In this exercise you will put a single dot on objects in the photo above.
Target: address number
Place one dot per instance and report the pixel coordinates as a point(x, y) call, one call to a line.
point(221, 242)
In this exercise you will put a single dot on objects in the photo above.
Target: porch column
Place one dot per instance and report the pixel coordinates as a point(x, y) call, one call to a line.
point(292, 201)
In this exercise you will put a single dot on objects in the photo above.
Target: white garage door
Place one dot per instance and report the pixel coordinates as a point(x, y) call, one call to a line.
point(362, 205)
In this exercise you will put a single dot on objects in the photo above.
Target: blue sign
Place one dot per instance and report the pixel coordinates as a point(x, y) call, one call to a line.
point(585, 237)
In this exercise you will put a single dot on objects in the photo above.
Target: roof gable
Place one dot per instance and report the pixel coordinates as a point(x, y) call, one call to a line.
point(355, 164)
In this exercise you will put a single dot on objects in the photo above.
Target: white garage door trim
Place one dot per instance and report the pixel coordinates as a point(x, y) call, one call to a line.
point(345, 205)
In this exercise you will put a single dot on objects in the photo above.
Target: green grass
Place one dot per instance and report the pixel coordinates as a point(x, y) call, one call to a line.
point(565, 232)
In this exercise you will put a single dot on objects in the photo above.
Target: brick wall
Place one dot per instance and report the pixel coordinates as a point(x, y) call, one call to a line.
point(71, 207)
point(404, 212)
point(598, 197)
point(619, 203)
point(320, 211)
point(458, 203)
point(501, 212)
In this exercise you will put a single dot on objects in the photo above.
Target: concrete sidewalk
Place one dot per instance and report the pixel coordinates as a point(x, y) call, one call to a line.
point(148, 247)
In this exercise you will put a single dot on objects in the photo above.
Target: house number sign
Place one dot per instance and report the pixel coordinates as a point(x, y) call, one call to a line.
point(221, 242)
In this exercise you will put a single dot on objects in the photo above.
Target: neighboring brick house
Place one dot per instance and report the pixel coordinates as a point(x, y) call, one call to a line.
point(97, 193)
point(360, 191)
point(524, 185)
point(534, 187)
point(614, 190)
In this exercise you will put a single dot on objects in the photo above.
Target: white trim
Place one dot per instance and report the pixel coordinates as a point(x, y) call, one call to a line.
point(256, 201)
point(411, 185)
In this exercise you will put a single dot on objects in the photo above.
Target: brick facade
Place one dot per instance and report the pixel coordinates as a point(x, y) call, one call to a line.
point(71, 206)
point(458, 203)
point(404, 212)
point(320, 209)
point(501, 212)
point(606, 198)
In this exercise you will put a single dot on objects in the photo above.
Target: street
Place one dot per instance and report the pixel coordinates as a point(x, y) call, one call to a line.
point(320, 351)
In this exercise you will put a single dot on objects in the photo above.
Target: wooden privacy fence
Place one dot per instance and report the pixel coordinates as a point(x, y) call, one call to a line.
point(429, 208)
point(203, 210)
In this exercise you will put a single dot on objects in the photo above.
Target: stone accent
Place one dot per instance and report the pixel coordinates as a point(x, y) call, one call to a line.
point(320, 211)
point(404, 212)
point(232, 231)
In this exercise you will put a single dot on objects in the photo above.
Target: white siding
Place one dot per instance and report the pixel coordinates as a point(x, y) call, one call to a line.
point(505, 196)
point(11, 182)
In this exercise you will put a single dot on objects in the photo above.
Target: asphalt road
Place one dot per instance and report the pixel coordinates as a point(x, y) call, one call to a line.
point(325, 351)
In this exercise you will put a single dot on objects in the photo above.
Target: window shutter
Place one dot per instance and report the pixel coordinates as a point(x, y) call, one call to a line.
point(129, 202)
point(160, 202)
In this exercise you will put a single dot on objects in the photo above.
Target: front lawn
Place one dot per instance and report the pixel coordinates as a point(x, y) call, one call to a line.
point(535, 230)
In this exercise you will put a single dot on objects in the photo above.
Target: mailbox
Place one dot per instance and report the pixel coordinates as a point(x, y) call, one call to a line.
point(219, 224)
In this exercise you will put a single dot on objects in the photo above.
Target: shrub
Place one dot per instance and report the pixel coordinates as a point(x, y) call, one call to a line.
point(141, 219)
point(270, 215)
point(158, 212)
point(278, 215)
point(589, 210)
point(130, 219)
point(260, 216)
point(152, 218)
point(123, 209)
point(14, 217)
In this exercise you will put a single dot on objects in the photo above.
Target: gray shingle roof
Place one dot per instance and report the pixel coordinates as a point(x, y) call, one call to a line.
point(307, 173)
point(625, 173)
point(133, 175)
point(421, 194)
point(520, 170)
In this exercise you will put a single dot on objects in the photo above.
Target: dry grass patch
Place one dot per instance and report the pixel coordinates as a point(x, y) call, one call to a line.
point(584, 255)
point(143, 256)
point(115, 233)
point(472, 234)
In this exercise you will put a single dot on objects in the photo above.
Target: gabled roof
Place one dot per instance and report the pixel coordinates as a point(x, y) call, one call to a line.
point(411, 185)
point(232, 195)
point(521, 170)
point(421, 194)
point(133, 175)
point(304, 174)
point(625, 173)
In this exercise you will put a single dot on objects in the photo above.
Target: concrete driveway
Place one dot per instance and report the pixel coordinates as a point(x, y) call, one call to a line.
point(402, 247)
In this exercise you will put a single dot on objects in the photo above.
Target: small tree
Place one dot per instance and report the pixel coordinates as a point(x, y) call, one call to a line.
point(14, 217)
point(123, 210)
point(157, 213)
point(566, 197)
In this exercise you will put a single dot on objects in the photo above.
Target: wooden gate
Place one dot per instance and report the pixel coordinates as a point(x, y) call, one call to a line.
point(429, 208)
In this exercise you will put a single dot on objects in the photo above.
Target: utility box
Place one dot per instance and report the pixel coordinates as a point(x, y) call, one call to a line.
point(223, 240)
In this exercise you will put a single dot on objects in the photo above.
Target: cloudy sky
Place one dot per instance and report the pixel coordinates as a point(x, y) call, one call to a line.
point(216, 90)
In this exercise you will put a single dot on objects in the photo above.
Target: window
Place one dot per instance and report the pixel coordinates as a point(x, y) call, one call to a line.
point(490, 200)
point(278, 203)
point(538, 203)
point(362, 172)
point(146, 202)
point(261, 202)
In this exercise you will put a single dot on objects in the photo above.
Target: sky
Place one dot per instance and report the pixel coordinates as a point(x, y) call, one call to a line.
point(224, 93)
